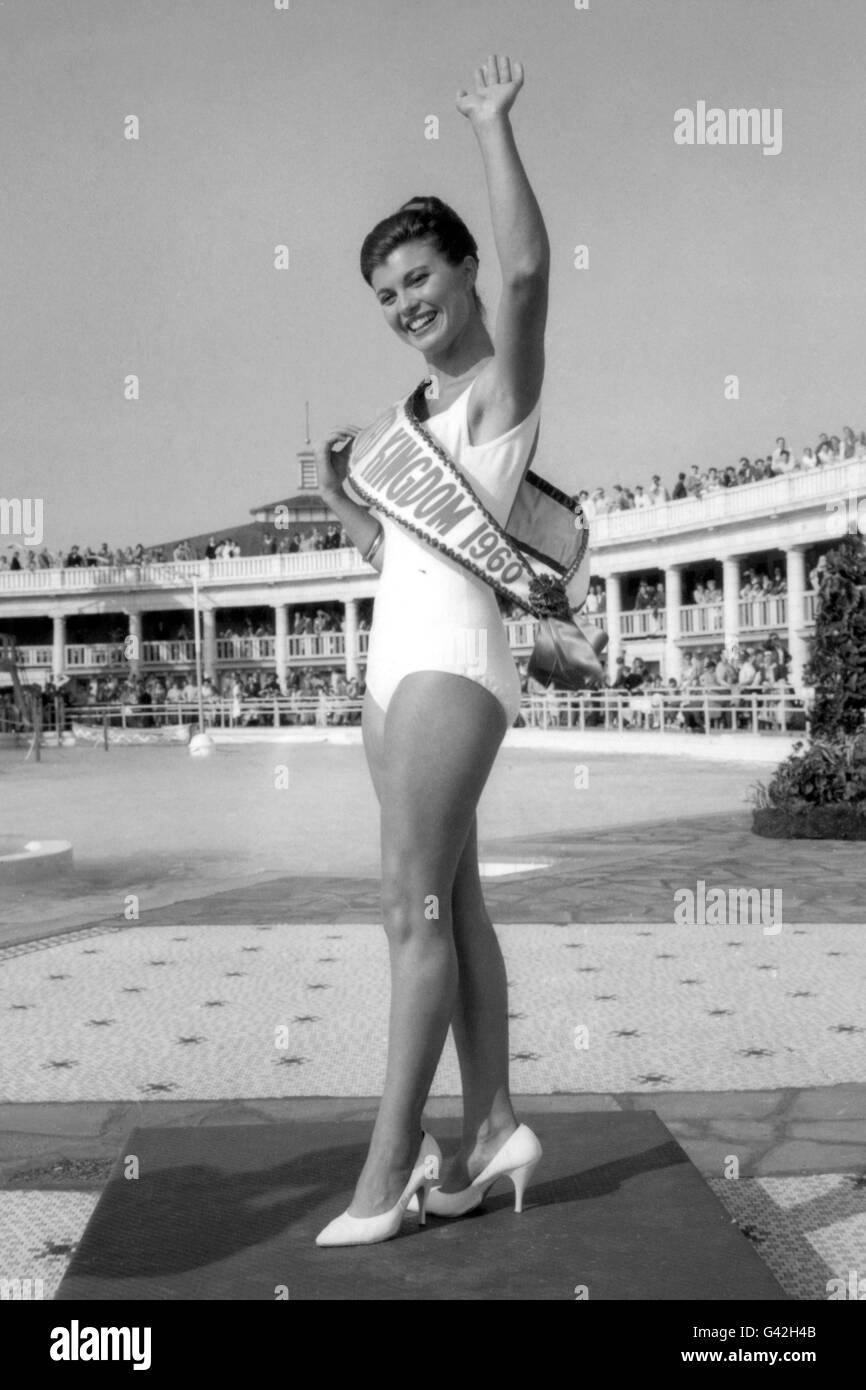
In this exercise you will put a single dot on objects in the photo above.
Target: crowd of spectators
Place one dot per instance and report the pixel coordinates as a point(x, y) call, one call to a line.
point(331, 537)
point(716, 690)
point(234, 698)
point(698, 482)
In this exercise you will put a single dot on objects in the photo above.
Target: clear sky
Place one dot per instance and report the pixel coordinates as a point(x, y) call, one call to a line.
point(304, 126)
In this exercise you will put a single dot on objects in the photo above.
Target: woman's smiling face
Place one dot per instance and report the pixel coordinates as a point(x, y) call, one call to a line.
point(426, 300)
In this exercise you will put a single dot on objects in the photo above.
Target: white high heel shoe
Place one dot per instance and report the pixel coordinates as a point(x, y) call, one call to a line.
point(369, 1230)
point(517, 1159)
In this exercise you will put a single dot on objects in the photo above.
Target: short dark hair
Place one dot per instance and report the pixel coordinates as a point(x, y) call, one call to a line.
point(420, 219)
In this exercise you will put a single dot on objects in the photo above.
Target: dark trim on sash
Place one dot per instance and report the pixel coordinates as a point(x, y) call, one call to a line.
point(519, 547)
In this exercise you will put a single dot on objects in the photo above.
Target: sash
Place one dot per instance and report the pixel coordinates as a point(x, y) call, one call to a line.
point(399, 468)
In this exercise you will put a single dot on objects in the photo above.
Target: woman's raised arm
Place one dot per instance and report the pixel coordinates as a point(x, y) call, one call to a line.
point(512, 383)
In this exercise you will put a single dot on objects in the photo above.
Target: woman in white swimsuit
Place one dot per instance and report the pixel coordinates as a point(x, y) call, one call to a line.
point(442, 687)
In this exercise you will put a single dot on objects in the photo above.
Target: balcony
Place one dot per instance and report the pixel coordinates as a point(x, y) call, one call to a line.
point(695, 620)
point(643, 622)
point(708, 619)
point(751, 501)
point(179, 574)
point(763, 614)
point(702, 620)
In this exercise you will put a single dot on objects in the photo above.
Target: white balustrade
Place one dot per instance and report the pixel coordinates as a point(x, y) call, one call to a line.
point(643, 622)
point(316, 644)
point(521, 632)
point(701, 619)
point(85, 656)
point(180, 573)
point(33, 656)
point(245, 648)
point(760, 614)
point(168, 653)
point(768, 496)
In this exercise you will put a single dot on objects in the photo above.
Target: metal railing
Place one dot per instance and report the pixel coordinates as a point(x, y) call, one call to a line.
point(697, 710)
point(220, 712)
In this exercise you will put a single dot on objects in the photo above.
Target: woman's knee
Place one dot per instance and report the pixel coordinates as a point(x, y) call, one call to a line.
point(415, 905)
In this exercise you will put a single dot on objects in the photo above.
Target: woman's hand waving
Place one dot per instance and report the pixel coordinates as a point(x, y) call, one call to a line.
point(496, 86)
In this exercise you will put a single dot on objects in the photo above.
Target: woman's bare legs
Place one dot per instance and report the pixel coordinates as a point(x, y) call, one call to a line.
point(479, 1018)
point(480, 1025)
point(440, 738)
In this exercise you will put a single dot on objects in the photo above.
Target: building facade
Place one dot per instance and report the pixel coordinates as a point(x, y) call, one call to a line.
point(80, 622)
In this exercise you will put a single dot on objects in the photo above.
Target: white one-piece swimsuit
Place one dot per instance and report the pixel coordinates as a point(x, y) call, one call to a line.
point(431, 614)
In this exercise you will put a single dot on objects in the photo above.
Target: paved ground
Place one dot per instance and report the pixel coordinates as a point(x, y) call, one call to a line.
point(258, 910)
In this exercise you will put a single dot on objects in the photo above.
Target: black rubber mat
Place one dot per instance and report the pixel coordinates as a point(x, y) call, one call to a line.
point(616, 1211)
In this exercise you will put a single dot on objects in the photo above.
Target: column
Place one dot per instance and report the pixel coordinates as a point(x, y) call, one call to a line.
point(281, 643)
point(731, 598)
point(351, 636)
point(798, 646)
point(209, 644)
point(58, 657)
point(132, 646)
point(673, 603)
point(612, 616)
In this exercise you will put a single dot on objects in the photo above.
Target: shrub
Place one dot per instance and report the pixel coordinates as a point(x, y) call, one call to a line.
point(826, 772)
point(837, 665)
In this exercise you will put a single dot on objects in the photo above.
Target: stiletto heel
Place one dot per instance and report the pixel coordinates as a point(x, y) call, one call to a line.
point(422, 1195)
point(517, 1159)
point(369, 1230)
point(522, 1177)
